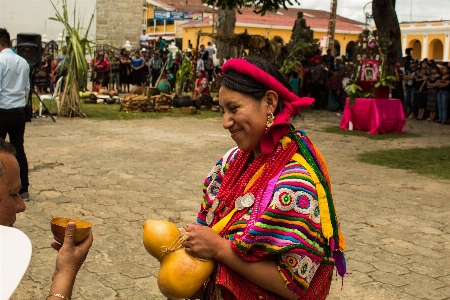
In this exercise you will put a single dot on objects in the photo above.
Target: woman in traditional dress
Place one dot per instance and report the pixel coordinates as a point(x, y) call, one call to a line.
point(432, 92)
point(421, 89)
point(218, 73)
point(443, 94)
point(124, 70)
point(102, 71)
point(269, 197)
point(137, 67)
point(41, 78)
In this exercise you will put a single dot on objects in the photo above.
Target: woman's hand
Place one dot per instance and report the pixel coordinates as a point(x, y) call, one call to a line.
point(202, 241)
point(71, 257)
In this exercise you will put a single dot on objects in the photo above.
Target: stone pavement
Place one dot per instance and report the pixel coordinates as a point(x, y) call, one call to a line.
point(117, 174)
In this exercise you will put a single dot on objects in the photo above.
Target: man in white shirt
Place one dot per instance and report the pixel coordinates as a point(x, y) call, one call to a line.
point(211, 51)
point(14, 86)
point(144, 40)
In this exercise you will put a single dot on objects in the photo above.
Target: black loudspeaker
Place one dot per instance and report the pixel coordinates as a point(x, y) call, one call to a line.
point(29, 47)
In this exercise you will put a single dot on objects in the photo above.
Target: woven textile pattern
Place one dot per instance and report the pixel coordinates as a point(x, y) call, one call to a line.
point(288, 231)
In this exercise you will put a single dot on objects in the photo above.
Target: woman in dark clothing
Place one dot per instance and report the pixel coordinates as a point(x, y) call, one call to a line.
point(41, 80)
point(209, 69)
point(124, 70)
point(432, 92)
point(443, 95)
point(137, 67)
point(421, 89)
point(218, 73)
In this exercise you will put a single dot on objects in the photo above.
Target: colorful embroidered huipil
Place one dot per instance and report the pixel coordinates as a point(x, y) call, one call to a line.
point(287, 229)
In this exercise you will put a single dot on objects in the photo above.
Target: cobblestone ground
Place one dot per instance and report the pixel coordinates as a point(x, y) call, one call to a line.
point(117, 174)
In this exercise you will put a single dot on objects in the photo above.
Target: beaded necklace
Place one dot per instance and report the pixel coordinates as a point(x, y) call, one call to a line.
point(235, 192)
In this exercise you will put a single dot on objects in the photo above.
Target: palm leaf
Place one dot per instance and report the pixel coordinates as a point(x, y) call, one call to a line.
point(76, 51)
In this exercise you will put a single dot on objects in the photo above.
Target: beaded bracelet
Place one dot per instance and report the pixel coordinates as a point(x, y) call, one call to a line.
point(59, 296)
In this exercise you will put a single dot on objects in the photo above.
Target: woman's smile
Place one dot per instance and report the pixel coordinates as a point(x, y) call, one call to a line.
point(234, 132)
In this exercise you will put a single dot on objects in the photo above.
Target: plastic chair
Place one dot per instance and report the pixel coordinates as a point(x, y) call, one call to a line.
point(55, 96)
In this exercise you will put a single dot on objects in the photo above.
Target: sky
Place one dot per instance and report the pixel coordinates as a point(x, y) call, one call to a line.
point(420, 10)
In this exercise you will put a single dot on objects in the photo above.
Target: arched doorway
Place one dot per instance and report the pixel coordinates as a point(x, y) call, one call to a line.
point(416, 45)
point(337, 49)
point(436, 50)
point(350, 49)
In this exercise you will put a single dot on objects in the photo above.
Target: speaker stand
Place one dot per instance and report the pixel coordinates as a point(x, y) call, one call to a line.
point(30, 94)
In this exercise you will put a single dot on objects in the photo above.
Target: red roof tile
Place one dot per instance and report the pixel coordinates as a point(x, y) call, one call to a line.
point(318, 21)
point(314, 18)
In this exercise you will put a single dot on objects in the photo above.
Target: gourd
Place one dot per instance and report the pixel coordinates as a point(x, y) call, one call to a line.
point(180, 275)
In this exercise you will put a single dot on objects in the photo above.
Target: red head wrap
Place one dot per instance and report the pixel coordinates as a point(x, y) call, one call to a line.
point(291, 102)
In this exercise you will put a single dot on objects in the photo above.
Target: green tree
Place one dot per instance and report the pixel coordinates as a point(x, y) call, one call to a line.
point(227, 17)
point(383, 11)
point(386, 21)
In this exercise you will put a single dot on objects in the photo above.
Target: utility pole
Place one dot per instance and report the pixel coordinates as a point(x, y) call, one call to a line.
point(332, 27)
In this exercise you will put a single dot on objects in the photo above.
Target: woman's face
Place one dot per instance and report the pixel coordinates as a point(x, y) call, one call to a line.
point(199, 74)
point(444, 70)
point(245, 118)
point(424, 65)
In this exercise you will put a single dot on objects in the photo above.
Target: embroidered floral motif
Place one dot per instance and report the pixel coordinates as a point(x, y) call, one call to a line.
point(212, 190)
point(283, 199)
point(304, 203)
point(301, 265)
point(214, 171)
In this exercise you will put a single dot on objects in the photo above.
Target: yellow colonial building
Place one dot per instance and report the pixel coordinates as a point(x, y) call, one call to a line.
point(428, 39)
point(271, 25)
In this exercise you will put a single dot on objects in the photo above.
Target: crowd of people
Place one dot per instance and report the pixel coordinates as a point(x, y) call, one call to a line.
point(426, 89)
point(422, 86)
point(324, 78)
point(52, 67)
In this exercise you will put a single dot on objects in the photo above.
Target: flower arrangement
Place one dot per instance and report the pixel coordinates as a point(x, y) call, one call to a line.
point(375, 59)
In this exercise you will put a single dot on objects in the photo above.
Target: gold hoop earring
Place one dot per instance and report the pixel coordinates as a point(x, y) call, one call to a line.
point(270, 120)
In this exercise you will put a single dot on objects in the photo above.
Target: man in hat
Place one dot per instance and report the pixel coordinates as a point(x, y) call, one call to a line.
point(156, 66)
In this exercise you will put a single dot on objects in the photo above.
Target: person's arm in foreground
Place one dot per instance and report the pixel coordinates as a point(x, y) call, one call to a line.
point(203, 242)
point(68, 263)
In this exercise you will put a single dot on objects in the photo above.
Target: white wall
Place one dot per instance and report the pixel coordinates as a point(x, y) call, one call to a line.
point(31, 16)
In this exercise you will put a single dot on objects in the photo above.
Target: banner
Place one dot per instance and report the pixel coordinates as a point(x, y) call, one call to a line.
point(178, 15)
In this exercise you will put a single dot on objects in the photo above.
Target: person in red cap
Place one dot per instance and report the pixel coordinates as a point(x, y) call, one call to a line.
point(267, 216)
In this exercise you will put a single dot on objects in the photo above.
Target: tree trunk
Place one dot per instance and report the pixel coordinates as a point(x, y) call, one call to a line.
point(386, 21)
point(227, 22)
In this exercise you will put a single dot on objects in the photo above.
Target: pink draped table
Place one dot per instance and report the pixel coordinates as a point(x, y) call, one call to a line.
point(374, 116)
